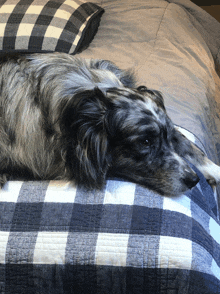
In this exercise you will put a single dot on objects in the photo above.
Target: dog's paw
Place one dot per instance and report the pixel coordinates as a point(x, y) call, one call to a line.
point(211, 171)
point(211, 182)
point(3, 179)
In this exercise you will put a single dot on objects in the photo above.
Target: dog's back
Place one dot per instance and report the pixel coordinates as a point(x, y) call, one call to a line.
point(34, 91)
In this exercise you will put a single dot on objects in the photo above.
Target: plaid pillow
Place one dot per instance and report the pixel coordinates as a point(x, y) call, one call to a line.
point(46, 26)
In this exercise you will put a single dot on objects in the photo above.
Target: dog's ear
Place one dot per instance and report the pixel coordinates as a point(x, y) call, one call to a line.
point(85, 119)
point(126, 77)
point(156, 96)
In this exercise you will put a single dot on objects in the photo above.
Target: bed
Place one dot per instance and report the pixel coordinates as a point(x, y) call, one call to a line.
point(58, 238)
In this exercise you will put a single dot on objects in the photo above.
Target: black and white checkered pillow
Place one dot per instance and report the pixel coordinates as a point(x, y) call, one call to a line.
point(47, 25)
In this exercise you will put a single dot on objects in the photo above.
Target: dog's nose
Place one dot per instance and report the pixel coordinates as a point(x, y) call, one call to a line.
point(191, 178)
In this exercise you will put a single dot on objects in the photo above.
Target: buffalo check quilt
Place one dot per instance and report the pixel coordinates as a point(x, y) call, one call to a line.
point(57, 238)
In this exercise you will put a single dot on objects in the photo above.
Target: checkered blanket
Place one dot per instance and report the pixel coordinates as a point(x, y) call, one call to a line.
point(57, 238)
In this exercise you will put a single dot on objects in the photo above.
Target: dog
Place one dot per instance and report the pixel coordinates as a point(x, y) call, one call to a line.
point(73, 119)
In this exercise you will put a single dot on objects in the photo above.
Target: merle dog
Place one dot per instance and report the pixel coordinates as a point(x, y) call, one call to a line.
point(79, 120)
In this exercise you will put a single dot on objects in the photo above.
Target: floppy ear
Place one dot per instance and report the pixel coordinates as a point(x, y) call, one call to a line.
point(85, 119)
point(126, 77)
point(157, 96)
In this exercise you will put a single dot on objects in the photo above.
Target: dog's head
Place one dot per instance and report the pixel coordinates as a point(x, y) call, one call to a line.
point(126, 133)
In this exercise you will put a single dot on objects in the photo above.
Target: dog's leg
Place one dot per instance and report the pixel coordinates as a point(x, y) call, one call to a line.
point(185, 148)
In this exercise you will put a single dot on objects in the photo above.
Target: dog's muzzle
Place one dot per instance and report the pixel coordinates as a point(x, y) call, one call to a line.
point(190, 178)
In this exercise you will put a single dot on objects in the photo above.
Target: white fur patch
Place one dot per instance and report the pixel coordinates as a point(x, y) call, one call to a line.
point(186, 133)
point(210, 170)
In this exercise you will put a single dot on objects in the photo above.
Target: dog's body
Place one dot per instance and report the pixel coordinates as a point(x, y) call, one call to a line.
point(80, 120)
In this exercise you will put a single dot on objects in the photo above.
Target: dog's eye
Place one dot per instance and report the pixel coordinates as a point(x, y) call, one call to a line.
point(146, 142)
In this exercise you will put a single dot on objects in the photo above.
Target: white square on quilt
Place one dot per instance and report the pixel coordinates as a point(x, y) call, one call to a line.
point(50, 248)
point(175, 253)
point(180, 204)
point(10, 191)
point(3, 245)
point(215, 269)
point(60, 191)
point(111, 249)
point(119, 193)
point(214, 230)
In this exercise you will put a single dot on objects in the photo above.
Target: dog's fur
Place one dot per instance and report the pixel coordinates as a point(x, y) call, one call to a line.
point(80, 120)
